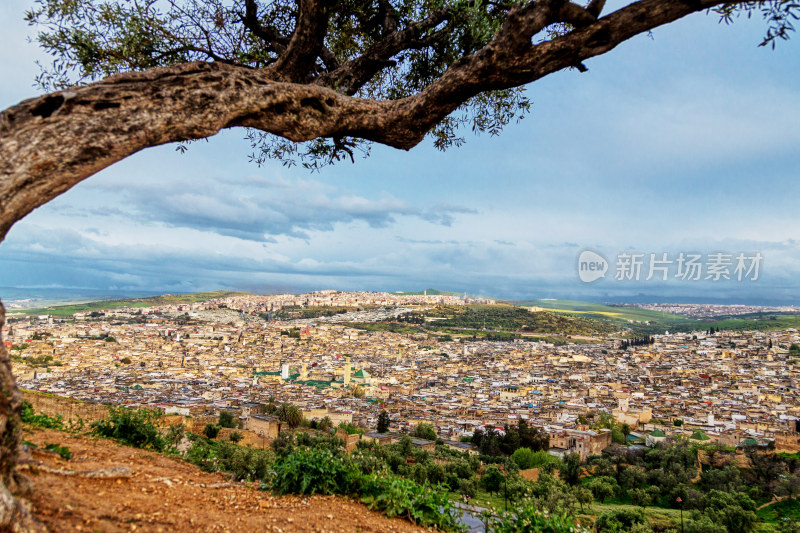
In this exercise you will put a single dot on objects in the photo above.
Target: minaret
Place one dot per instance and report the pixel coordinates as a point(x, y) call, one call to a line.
point(347, 372)
point(304, 373)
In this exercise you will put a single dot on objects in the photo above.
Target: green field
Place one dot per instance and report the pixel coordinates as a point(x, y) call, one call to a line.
point(164, 299)
point(645, 321)
point(787, 510)
point(620, 315)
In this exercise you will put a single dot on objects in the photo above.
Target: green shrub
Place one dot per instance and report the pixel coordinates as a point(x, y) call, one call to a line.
point(425, 505)
point(325, 471)
point(226, 420)
point(175, 434)
point(62, 451)
point(620, 520)
point(203, 453)
point(245, 464)
point(526, 458)
point(133, 427)
point(350, 429)
point(211, 431)
point(424, 431)
point(526, 518)
point(468, 487)
point(314, 471)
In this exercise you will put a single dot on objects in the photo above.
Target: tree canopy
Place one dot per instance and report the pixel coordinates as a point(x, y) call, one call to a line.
point(311, 81)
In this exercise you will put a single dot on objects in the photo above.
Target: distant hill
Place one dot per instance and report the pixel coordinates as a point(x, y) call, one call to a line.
point(164, 299)
point(507, 319)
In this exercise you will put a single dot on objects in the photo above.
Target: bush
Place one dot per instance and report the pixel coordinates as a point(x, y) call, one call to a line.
point(235, 437)
point(226, 420)
point(424, 505)
point(175, 434)
point(620, 520)
point(314, 471)
point(211, 431)
point(468, 487)
point(424, 431)
point(492, 479)
point(640, 497)
point(602, 487)
point(246, 464)
point(350, 429)
point(526, 518)
point(133, 427)
point(324, 471)
point(203, 453)
point(526, 458)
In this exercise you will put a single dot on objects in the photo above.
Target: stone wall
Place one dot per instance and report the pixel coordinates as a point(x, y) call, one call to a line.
point(249, 439)
point(71, 410)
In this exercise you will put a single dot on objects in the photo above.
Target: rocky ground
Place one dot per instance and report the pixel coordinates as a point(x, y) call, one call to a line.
point(109, 487)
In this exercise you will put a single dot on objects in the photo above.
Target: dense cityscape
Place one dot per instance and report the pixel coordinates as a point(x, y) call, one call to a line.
point(201, 358)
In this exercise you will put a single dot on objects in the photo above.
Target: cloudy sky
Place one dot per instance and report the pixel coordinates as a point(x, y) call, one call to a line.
point(687, 140)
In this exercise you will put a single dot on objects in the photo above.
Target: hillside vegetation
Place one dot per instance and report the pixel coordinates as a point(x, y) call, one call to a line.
point(164, 299)
point(511, 318)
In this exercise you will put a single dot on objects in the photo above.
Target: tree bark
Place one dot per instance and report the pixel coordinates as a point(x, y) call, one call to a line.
point(15, 514)
point(10, 426)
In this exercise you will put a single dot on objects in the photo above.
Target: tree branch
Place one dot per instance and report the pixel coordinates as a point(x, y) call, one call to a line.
point(595, 7)
point(510, 60)
point(267, 34)
point(351, 76)
point(297, 63)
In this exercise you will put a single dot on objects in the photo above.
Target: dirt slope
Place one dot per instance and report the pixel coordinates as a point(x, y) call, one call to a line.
point(136, 490)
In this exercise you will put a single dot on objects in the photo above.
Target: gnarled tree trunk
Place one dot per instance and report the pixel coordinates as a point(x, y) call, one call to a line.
point(14, 512)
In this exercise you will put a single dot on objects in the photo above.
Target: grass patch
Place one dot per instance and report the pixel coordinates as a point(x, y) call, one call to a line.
point(783, 510)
